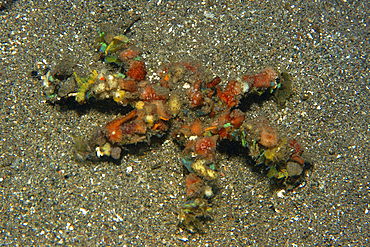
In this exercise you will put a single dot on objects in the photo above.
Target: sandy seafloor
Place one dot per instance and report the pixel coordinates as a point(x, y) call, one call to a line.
point(48, 198)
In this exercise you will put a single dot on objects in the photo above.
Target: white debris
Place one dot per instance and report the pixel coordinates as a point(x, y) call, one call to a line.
point(186, 85)
point(83, 211)
point(129, 169)
point(281, 193)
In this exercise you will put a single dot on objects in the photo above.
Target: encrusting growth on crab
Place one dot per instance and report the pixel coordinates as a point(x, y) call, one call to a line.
point(192, 106)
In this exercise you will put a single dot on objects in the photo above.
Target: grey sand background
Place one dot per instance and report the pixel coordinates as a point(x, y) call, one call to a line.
point(47, 197)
